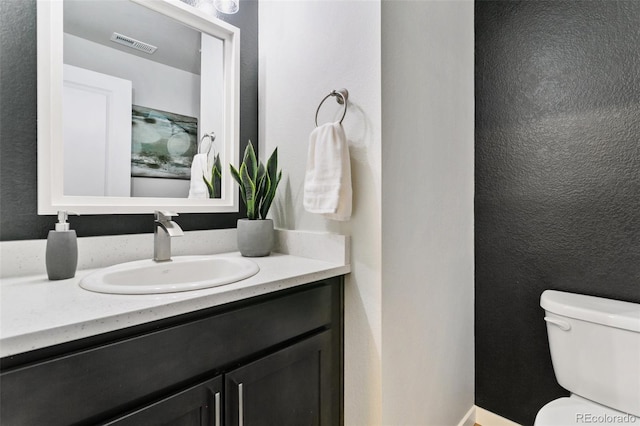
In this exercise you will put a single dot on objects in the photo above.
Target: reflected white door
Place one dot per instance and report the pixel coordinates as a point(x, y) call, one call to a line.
point(97, 133)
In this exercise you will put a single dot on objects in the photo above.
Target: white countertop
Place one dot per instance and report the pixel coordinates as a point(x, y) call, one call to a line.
point(36, 313)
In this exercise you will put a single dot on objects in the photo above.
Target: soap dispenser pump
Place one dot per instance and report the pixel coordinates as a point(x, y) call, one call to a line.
point(62, 250)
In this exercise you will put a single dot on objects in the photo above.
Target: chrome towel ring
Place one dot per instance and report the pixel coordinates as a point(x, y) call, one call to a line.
point(342, 96)
point(212, 138)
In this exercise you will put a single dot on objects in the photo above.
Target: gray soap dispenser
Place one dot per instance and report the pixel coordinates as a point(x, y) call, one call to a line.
point(62, 250)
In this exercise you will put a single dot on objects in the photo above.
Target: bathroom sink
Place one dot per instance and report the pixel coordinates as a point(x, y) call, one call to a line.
point(183, 273)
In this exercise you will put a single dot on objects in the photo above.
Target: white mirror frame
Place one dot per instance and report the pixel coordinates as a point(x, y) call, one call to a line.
point(50, 142)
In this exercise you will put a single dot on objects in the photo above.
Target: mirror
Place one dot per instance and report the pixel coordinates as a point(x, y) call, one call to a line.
point(129, 91)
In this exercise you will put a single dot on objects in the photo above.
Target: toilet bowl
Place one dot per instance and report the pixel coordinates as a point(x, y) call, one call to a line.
point(579, 411)
point(595, 350)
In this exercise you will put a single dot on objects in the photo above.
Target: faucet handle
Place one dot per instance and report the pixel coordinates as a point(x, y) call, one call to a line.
point(164, 215)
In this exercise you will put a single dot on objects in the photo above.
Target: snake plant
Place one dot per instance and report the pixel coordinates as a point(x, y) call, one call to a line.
point(216, 178)
point(258, 183)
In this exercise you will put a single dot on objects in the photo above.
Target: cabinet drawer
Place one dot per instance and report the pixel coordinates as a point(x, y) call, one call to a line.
point(98, 383)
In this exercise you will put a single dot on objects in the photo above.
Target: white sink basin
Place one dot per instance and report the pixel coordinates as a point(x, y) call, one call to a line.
point(183, 273)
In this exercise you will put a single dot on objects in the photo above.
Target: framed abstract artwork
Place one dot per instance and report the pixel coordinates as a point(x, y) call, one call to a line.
point(162, 143)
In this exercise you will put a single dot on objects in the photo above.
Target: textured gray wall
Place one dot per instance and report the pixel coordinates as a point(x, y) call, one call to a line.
point(557, 180)
point(18, 130)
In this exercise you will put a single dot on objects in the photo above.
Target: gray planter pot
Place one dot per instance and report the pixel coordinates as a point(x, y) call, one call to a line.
point(255, 237)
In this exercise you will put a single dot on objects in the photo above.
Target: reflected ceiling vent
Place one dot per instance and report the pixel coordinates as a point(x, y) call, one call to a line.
point(133, 43)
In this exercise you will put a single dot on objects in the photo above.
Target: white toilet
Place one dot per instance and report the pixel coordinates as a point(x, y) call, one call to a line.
point(595, 349)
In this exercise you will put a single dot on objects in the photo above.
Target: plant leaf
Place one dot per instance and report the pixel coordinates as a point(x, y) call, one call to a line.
point(217, 181)
point(252, 162)
point(217, 167)
point(236, 176)
point(260, 186)
point(216, 178)
point(273, 179)
point(266, 188)
point(249, 192)
point(266, 201)
point(209, 187)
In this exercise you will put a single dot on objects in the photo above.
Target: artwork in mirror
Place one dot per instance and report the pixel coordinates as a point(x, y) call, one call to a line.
point(140, 106)
point(163, 145)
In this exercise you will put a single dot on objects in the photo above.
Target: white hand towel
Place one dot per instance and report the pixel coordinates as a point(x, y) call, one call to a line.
point(327, 181)
point(198, 189)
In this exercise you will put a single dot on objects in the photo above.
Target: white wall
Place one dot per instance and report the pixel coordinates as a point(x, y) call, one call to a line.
point(409, 301)
point(307, 49)
point(427, 231)
point(154, 85)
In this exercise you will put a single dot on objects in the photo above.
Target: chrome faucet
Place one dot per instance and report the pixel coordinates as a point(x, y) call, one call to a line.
point(163, 230)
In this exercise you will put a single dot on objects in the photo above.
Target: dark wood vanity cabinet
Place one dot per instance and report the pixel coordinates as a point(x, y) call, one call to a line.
point(269, 360)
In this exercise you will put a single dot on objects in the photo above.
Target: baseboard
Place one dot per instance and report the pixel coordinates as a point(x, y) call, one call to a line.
point(487, 418)
point(469, 419)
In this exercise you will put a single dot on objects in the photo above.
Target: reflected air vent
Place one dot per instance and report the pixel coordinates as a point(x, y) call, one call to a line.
point(133, 43)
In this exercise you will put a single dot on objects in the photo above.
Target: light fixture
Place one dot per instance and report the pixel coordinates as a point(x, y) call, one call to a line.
point(215, 6)
point(227, 6)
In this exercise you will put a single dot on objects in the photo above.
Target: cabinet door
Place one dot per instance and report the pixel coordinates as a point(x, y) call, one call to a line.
point(200, 405)
point(291, 387)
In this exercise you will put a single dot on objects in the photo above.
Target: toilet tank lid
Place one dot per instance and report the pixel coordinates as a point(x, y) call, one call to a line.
point(609, 312)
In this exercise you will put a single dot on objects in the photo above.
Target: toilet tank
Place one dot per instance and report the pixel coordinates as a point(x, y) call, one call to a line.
point(595, 347)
